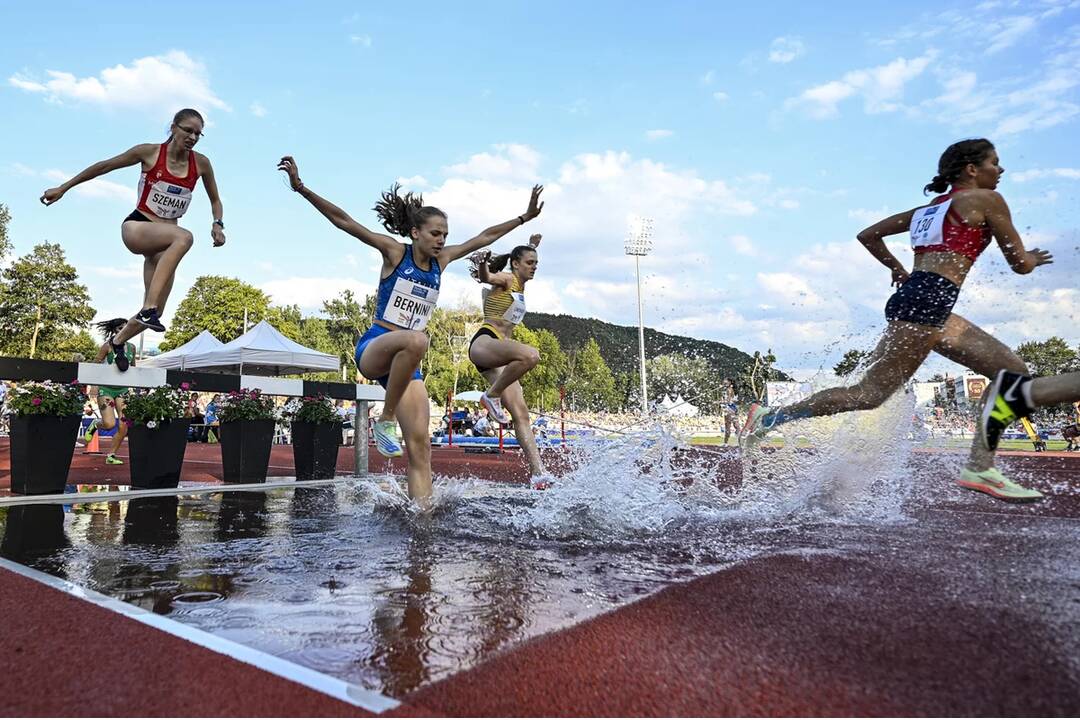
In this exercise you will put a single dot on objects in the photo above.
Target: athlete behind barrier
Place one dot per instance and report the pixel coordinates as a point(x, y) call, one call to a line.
point(497, 356)
point(947, 235)
point(111, 399)
point(170, 171)
point(390, 352)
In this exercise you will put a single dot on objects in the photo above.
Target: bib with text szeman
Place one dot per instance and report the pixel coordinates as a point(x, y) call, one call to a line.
point(165, 199)
point(928, 225)
point(410, 304)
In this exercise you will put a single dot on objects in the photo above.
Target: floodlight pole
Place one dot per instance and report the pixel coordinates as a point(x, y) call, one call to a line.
point(638, 243)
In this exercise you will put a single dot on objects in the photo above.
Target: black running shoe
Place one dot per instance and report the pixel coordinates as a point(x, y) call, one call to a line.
point(148, 317)
point(120, 358)
point(1004, 404)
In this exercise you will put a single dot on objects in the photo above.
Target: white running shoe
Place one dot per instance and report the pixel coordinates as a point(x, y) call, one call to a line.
point(495, 409)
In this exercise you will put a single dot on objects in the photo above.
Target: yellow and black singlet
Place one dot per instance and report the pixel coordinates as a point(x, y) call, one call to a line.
point(505, 305)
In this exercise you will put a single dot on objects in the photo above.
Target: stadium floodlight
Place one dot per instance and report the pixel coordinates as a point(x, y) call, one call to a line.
point(638, 244)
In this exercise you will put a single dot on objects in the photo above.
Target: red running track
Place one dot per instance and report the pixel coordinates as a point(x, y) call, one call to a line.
point(973, 608)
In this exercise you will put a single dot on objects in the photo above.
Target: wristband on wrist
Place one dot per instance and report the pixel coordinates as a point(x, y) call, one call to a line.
point(218, 221)
point(522, 219)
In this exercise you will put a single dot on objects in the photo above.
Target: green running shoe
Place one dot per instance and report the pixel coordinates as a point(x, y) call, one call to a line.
point(386, 440)
point(754, 430)
point(111, 459)
point(994, 484)
point(90, 430)
point(1004, 405)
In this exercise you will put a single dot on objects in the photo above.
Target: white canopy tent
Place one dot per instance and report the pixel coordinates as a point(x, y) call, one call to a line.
point(263, 350)
point(677, 407)
point(176, 358)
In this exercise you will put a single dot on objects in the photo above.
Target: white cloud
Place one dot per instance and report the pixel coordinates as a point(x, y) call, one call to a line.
point(881, 88)
point(415, 181)
point(257, 109)
point(508, 162)
point(743, 245)
point(720, 96)
point(658, 134)
point(1039, 174)
point(98, 188)
point(789, 287)
point(158, 84)
point(785, 49)
point(361, 40)
point(310, 292)
point(1010, 31)
point(869, 216)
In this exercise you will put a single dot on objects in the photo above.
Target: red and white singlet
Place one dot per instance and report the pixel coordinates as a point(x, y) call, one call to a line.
point(930, 232)
point(163, 194)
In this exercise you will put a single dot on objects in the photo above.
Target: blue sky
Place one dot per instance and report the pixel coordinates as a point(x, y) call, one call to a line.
point(761, 138)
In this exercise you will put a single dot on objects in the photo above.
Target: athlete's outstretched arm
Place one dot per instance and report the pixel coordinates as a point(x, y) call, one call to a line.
point(451, 253)
point(129, 157)
point(217, 230)
point(1008, 239)
point(873, 239)
point(342, 220)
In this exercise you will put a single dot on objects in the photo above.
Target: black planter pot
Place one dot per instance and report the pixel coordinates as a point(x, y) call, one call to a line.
point(315, 449)
point(157, 454)
point(245, 450)
point(41, 449)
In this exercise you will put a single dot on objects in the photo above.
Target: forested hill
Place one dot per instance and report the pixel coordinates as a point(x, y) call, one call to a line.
point(619, 344)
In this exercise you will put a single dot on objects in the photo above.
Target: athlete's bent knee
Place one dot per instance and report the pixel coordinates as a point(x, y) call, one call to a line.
point(184, 239)
point(416, 343)
point(531, 357)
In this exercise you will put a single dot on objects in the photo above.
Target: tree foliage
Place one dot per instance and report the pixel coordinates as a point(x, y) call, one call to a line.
point(217, 304)
point(5, 241)
point(590, 384)
point(1049, 357)
point(691, 377)
point(42, 305)
point(851, 360)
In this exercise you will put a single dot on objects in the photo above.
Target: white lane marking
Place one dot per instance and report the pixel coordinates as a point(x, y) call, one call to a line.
point(346, 692)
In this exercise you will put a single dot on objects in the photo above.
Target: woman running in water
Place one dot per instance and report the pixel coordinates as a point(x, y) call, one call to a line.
point(947, 235)
point(499, 358)
point(390, 352)
point(169, 174)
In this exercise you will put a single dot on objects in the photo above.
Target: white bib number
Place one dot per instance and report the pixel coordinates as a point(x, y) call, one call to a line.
point(928, 225)
point(410, 305)
point(516, 312)
point(167, 200)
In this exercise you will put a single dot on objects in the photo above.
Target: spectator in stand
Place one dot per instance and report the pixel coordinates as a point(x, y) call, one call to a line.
point(210, 419)
point(482, 427)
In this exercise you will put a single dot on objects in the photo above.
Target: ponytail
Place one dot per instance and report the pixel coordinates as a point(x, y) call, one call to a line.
point(496, 263)
point(953, 161)
point(399, 215)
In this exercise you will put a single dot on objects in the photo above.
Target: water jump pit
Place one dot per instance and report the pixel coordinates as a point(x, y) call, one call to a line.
point(858, 580)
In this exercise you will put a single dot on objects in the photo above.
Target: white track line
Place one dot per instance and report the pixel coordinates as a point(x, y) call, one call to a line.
point(346, 692)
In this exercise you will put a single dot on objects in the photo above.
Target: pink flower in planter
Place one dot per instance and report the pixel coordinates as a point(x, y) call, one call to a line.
point(36, 401)
point(185, 386)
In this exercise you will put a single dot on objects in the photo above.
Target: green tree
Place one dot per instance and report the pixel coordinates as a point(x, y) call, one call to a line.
point(348, 320)
point(41, 303)
point(590, 384)
point(691, 377)
point(541, 384)
point(850, 361)
point(752, 381)
point(446, 367)
point(5, 242)
point(74, 344)
point(1050, 357)
point(217, 304)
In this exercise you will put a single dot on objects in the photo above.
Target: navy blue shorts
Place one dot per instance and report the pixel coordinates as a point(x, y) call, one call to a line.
point(925, 299)
point(373, 332)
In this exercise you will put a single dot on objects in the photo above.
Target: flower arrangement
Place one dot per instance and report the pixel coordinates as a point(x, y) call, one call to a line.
point(47, 398)
point(155, 406)
point(318, 409)
point(246, 404)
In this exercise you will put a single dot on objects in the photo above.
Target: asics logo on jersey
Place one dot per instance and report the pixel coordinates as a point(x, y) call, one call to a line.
point(408, 271)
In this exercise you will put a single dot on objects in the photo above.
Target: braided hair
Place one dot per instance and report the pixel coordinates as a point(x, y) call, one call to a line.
point(953, 161)
point(399, 215)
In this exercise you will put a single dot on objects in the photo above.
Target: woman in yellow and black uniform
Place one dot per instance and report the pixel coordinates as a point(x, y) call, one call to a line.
point(500, 359)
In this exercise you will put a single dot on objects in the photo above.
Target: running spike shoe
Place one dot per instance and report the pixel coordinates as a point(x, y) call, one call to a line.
point(495, 409)
point(386, 439)
point(90, 430)
point(994, 484)
point(753, 430)
point(111, 459)
point(120, 358)
point(148, 317)
point(1004, 404)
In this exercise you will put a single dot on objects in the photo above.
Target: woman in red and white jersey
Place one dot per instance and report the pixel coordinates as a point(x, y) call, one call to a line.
point(170, 171)
point(947, 236)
